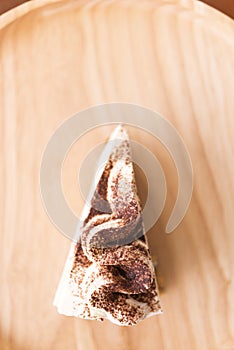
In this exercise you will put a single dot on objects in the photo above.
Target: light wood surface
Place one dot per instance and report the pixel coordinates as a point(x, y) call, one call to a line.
point(175, 57)
point(225, 6)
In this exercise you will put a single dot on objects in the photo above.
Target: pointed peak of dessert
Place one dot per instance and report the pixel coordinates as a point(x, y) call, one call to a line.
point(120, 132)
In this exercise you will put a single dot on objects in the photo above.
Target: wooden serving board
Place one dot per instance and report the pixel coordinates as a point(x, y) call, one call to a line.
point(176, 57)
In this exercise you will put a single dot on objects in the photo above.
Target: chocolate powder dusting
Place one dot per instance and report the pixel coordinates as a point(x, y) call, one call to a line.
point(112, 272)
point(99, 203)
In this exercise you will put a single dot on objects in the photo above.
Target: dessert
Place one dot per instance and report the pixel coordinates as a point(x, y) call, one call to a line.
point(109, 272)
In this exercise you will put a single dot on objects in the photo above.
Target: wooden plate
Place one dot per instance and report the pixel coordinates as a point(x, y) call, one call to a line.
point(176, 57)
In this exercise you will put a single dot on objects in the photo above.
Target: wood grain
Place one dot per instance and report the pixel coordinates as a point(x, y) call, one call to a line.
point(176, 57)
point(225, 6)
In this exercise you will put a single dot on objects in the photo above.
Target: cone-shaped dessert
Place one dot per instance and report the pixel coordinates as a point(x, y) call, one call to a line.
point(109, 271)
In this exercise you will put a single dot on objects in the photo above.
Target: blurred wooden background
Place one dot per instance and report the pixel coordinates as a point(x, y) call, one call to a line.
point(173, 56)
point(225, 6)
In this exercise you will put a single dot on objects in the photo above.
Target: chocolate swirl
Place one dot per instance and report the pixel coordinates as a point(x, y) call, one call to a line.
point(121, 285)
point(113, 275)
point(115, 215)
